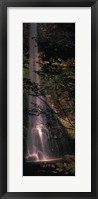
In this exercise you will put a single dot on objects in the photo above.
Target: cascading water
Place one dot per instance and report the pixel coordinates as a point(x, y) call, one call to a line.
point(43, 143)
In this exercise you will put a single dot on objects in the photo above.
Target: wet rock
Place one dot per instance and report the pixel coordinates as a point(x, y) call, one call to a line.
point(65, 164)
point(59, 169)
point(69, 158)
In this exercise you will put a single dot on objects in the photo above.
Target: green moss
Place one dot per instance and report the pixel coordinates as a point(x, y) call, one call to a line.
point(26, 73)
point(71, 168)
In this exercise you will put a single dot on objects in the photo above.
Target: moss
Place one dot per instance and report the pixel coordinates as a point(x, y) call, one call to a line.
point(67, 125)
point(26, 73)
point(71, 168)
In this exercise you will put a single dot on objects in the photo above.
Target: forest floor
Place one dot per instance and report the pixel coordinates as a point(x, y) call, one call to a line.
point(62, 167)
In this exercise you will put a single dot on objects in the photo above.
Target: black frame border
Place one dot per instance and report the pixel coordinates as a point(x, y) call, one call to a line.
point(4, 4)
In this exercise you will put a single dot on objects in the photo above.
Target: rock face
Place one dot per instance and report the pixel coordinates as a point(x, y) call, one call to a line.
point(46, 143)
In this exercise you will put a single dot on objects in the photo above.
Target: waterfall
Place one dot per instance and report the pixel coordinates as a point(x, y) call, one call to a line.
point(43, 143)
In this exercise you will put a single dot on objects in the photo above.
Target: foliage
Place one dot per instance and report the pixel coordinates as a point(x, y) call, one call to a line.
point(57, 51)
point(57, 40)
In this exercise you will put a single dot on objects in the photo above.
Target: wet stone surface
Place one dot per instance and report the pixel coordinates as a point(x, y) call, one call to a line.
point(63, 167)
